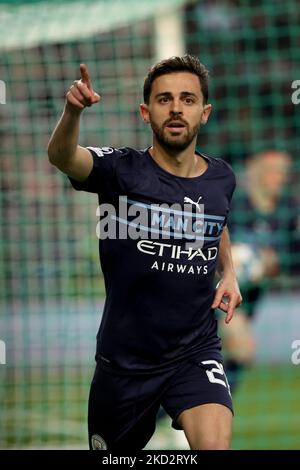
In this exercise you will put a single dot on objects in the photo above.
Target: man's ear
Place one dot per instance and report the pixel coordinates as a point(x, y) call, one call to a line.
point(144, 111)
point(206, 113)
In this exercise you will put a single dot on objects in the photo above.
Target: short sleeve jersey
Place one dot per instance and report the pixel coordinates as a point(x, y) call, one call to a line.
point(159, 247)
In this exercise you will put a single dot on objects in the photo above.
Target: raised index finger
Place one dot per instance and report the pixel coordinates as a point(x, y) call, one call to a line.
point(85, 77)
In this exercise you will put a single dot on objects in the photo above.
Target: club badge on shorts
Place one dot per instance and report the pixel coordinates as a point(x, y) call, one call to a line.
point(98, 443)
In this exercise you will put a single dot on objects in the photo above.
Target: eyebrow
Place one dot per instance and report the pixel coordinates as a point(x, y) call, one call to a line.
point(169, 94)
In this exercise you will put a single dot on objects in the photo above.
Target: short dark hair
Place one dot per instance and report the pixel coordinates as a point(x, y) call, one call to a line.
point(186, 63)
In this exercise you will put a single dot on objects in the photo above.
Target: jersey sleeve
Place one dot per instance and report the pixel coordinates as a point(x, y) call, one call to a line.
point(231, 178)
point(230, 186)
point(103, 171)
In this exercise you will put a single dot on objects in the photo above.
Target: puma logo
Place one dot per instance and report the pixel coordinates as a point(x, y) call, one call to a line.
point(188, 200)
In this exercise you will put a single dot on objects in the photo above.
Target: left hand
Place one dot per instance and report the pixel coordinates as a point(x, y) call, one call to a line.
point(227, 296)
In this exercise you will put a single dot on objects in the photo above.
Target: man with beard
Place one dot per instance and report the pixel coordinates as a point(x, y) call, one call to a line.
point(157, 344)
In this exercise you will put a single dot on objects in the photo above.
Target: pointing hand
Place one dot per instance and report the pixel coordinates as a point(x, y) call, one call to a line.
point(81, 93)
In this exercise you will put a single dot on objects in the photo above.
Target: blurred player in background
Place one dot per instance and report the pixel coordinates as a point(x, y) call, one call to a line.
point(158, 343)
point(263, 227)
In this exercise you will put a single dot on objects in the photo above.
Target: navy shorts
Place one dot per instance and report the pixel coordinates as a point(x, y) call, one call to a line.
point(123, 409)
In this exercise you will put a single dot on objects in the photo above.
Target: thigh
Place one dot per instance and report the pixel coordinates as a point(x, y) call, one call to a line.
point(207, 427)
point(122, 411)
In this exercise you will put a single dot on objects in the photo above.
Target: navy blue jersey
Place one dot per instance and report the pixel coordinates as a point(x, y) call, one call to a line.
point(159, 287)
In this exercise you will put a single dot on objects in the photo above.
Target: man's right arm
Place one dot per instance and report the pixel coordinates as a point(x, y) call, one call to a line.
point(63, 149)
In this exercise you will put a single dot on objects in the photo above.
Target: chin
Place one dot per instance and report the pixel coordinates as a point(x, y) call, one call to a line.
point(176, 145)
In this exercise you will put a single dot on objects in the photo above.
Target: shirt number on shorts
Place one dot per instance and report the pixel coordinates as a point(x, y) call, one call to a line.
point(217, 369)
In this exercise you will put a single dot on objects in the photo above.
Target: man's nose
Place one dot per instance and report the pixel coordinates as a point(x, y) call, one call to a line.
point(176, 107)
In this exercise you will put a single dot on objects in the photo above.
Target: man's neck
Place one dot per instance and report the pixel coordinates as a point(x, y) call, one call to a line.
point(185, 163)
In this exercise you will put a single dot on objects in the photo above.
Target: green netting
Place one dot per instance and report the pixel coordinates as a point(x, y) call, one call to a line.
point(51, 290)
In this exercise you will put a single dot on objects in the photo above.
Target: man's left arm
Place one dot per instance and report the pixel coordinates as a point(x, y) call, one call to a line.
point(227, 294)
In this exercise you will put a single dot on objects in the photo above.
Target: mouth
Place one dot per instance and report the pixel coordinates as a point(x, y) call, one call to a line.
point(175, 125)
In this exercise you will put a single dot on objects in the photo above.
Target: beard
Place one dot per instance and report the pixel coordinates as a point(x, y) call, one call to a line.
point(172, 143)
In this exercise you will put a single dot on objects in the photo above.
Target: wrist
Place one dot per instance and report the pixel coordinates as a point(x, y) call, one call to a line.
point(72, 111)
point(227, 272)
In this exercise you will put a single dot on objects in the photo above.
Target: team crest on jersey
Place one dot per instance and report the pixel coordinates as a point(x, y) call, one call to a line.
point(98, 443)
point(101, 151)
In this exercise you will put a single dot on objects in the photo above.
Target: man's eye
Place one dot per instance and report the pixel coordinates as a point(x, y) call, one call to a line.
point(189, 100)
point(164, 100)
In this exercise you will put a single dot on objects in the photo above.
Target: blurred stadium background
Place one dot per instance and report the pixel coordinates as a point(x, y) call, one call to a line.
point(51, 295)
